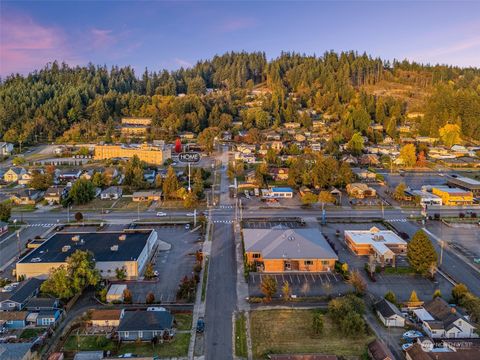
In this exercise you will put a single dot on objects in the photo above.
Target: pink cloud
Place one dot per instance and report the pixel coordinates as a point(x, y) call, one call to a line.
point(102, 38)
point(26, 45)
point(235, 24)
point(182, 62)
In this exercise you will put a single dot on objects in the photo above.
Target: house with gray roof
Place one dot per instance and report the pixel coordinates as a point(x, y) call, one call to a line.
point(144, 325)
point(283, 250)
point(18, 298)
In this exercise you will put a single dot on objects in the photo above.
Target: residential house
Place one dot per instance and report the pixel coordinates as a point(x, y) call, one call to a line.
point(377, 350)
point(69, 175)
point(250, 177)
point(110, 174)
point(149, 176)
point(276, 145)
point(369, 159)
point(18, 298)
point(300, 138)
point(360, 190)
point(16, 351)
point(349, 159)
point(285, 250)
point(6, 149)
point(13, 319)
point(55, 194)
point(187, 136)
point(389, 314)
point(42, 304)
point(88, 174)
point(384, 245)
point(279, 174)
point(140, 196)
point(48, 317)
point(111, 193)
point(27, 177)
point(415, 352)
point(272, 136)
point(316, 146)
point(440, 320)
point(144, 325)
point(364, 174)
point(14, 174)
point(105, 318)
point(26, 197)
point(3, 227)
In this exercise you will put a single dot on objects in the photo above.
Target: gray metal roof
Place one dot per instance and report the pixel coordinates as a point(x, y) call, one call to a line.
point(306, 243)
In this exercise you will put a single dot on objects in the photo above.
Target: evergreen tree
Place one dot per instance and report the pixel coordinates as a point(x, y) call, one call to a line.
point(420, 253)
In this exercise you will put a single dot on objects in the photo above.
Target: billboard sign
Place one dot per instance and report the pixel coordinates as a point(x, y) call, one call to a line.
point(189, 157)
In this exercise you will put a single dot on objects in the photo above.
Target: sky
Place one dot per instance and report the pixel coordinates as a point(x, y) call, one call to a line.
point(172, 34)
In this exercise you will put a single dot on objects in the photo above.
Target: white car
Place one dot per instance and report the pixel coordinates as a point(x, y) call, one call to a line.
point(190, 214)
point(161, 214)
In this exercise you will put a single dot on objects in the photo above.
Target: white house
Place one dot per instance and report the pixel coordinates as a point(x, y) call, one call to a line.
point(389, 314)
point(6, 149)
point(440, 320)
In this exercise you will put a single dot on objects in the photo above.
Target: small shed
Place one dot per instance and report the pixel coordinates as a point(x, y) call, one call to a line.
point(115, 292)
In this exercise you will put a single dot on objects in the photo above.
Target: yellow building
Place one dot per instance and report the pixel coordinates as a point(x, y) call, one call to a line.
point(453, 196)
point(154, 155)
point(135, 126)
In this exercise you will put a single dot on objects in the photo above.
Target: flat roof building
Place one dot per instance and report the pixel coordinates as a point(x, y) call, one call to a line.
point(453, 196)
point(128, 249)
point(155, 155)
point(466, 184)
point(426, 198)
point(384, 245)
point(280, 250)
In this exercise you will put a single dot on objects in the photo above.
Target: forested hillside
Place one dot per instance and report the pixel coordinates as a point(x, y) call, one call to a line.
point(85, 103)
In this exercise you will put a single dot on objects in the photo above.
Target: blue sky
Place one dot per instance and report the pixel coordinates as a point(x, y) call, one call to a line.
point(162, 34)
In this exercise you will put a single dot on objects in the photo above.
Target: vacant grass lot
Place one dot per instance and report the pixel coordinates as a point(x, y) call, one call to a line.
point(126, 204)
point(178, 347)
point(184, 321)
point(290, 331)
point(240, 336)
point(31, 333)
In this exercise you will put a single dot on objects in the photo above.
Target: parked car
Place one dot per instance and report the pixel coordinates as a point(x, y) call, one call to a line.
point(187, 226)
point(161, 214)
point(190, 214)
point(200, 325)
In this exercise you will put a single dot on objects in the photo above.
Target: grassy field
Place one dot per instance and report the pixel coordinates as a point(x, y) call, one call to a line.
point(95, 204)
point(126, 204)
point(290, 331)
point(204, 280)
point(31, 333)
point(176, 348)
point(184, 321)
point(240, 336)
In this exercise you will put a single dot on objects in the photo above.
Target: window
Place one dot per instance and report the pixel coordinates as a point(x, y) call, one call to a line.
point(256, 255)
point(11, 305)
point(308, 262)
point(126, 334)
point(325, 262)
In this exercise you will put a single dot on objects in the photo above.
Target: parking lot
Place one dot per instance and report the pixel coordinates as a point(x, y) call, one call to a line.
point(291, 223)
point(301, 283)
point(172, 265)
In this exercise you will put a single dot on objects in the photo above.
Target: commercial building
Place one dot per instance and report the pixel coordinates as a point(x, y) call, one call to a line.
point(425, 197)
point(155, 155)
point(283, 250)
point(384, 245)
point(128, 249)
point(466, 184)
point(277, 193)
point(135, 126)
point(453, 196)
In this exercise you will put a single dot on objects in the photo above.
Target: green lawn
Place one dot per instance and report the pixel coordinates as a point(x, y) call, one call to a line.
point(176, 348)
point(240, 336)
point(126, 204)
point(184, 321)
point(204, 280)
point(31, 333)
point(95, 204)
point(290, 331)
point(88, 343)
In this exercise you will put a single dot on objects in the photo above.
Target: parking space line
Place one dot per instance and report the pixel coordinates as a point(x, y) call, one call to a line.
point(298, 278)
point(321, 278)
point(291, 280)
point(313, 277)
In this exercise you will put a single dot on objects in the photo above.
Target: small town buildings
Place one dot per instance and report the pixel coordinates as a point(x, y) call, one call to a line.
point(144, 325)
point(19, 297)
point(377, 350)
point(369, 159)
point(291, 125)
point(285, 250)
point(55, 194)
point(276, 145)
point(466, 184)
point(26, 197)
point(277, 193)
point(47, 317)
point(279, 174)
point(384, 245)
point(111, 193)
point(115, 293)
point(3, 227)
point(105, 317)
point(13, 319)
point(6, 149)
point(453, 196)
point(14, 174)
point(415, 352)
point(440, 320)
point(141, 196)
point(389, 314)
point(364, 174)
point(130, 249)
point(360, 190)
point(316, 147)
point(425, 197)
point(69, 175)
point(154, 155)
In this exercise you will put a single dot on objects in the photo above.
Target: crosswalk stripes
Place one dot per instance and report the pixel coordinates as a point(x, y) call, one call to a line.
point(397, 220)
point(226, 206)
point(41, 225)
point(222, 221)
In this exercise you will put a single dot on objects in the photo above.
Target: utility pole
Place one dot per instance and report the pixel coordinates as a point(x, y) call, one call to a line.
point(138, 211)
point(189, 187)
point(194, 217)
